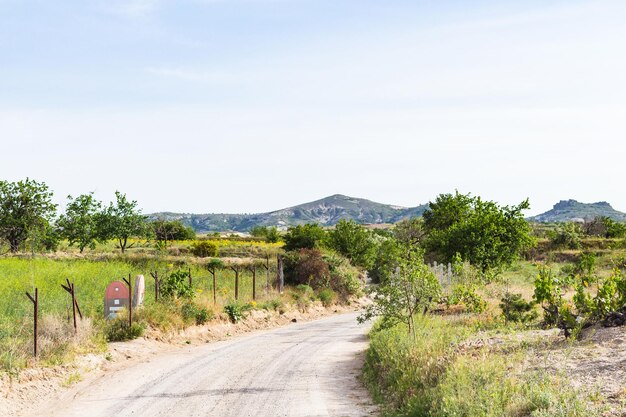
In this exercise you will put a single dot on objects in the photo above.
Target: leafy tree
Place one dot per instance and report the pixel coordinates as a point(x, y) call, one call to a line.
point(410, 231)
point(568, 235)
point(26, 209)
point(409, 291)
point(614, 229)
point(270, 234)
point(167, 230)
point(481, 232)
point(121, 221)
point(354, 242)
point(79, 224)
point(307, 266)
point(386, 261)
point(307, 236)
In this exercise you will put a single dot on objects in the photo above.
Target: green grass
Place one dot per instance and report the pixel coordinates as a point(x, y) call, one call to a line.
point(432, 375)
point(91, 277)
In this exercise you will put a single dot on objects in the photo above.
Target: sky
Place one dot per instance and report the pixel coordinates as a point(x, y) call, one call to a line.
point(254, 105)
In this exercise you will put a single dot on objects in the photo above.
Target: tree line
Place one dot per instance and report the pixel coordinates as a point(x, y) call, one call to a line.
point(28, 215)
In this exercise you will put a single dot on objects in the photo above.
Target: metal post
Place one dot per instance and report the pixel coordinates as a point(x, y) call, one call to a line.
point(35, 301)
point(130, 301)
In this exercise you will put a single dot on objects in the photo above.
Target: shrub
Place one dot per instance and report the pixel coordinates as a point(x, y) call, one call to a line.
point(177, 285)
point(204, 249)
point(568, 235)
point(236, 310)
point(327, 297)
point(467, 295)
point(307, 266)
point(272, 304)
point(197, 314)
point(516, 309)
point(307, 236)
point(117, 330)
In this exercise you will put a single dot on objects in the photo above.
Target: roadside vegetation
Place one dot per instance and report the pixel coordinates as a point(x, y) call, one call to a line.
point(515, 326)
point(202, 278)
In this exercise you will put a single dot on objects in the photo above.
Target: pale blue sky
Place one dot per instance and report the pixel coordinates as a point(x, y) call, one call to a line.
point(254, 105)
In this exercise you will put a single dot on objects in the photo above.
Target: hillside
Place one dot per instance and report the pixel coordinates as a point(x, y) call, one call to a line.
point(568, 210)
point(326, 212)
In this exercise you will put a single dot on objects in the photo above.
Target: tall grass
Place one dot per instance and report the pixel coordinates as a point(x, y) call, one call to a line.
point(91, 277)
point(432, 376)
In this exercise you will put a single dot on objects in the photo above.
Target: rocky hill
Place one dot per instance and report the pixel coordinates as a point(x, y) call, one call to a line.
point(326, 212)
point(572, 210)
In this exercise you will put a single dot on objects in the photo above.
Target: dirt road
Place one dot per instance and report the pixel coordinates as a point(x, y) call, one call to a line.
point(304, 369)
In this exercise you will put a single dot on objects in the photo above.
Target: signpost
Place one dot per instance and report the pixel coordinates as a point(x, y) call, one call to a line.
point(116, 297)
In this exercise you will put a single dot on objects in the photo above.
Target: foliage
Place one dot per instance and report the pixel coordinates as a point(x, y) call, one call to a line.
point(411, 290)
point(430, 376)
point(386, 260)
point(79, 224)
point(236, 310)
point(204, 249)
point(483, 233)
point(568, 235)
point(410, 231)
point(307, 236)
point(177, 285)
point(121, 221)
point(517, 310)
point(168, 230)
point(466, 295)
point(354, 242)
point(586, 309)
point(307, 266)
point(270, 234)
point(25, 210)
point(117, 330)
point(327, 297)
point(199, 315)
point(345, 279)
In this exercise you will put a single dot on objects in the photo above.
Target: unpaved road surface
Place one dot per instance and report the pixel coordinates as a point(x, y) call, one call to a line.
point(304, 369)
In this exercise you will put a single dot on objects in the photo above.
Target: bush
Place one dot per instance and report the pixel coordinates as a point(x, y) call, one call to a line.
point(327, 297)
point(307, 266)
point(236, 310)
point(177, 285)
point(516, 309)
point(467, 295)
point(117, 330)
point(568, 235)
point(274, 304)
point(204, 249)
point(199, 315)
point(307, 236)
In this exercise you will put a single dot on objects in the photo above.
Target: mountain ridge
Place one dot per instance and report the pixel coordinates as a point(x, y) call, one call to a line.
point(573, 210)
point(326, 211)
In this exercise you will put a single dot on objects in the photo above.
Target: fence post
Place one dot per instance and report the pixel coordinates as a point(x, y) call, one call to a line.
point(253, 270)
point(281, 275)
point(155, 275)
point(35, 301)
point(130, 301)
point(236, 269)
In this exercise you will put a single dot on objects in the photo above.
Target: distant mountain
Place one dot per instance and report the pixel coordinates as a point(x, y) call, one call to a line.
point(572, 210)
point(326, 212)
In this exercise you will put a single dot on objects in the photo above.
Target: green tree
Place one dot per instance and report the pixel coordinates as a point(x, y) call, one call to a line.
point(79, 224)
point(121, 221)
point(270, 234)
point(387, 260)
point(168, 230)
point(307, 236)
point(409, 291)
point(355, 242)
point(410, 231)
point(483, 233)
point(26, 209)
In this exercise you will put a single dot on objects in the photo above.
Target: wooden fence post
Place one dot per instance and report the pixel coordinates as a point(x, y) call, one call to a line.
point(253, 270)
point(130, 301)
point(281, 275)
point(157, 285)
point(35, 301)
point(236, 269)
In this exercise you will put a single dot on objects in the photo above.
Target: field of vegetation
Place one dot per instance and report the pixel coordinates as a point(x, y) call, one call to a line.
point(532, 335)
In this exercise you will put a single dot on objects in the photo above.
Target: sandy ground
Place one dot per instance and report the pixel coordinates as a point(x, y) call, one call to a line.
point(303, 369)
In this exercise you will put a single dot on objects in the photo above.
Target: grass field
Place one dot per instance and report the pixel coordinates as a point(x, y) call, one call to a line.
point(91, 277)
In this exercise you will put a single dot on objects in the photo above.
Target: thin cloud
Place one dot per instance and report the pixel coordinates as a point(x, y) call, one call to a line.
point(131, 8)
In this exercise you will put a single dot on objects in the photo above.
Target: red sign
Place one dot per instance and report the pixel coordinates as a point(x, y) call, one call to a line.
point(115, 299)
